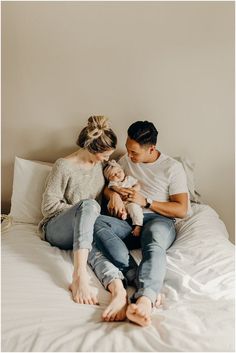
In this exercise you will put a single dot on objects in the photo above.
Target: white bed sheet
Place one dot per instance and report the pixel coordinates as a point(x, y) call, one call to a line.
point(38, 313)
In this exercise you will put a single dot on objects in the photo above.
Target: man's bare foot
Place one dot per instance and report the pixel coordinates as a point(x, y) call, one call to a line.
point(116, 310)
point(82, 292)
point(140, 312)
point(136, 231)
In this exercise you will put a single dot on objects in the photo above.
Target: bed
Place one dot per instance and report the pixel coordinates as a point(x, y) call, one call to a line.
point(38, 314)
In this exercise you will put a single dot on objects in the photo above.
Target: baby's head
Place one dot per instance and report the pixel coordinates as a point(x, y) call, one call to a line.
point(113, 171)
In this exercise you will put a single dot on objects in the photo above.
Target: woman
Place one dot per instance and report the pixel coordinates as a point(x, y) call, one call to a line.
point(70, 202)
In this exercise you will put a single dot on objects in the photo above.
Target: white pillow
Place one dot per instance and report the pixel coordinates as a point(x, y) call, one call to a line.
point(189, 169)
point(29, 184)
point(28, 187)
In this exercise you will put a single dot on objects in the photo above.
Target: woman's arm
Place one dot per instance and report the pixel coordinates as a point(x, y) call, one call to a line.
point(53, 196)
point(115, 188)
point(115, 204)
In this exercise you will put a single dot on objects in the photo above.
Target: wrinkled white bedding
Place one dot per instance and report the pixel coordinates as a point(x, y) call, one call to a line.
point(197, 314)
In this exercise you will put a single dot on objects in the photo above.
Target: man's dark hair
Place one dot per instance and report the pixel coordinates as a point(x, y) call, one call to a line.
point(143, 132)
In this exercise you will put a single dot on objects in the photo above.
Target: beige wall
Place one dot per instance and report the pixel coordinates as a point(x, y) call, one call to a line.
point(169, 62)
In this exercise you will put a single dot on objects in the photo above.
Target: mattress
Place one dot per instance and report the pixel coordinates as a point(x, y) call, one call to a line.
point(197, 313)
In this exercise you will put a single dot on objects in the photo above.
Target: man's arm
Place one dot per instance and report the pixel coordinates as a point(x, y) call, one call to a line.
point(136, 187)
point(177, 206)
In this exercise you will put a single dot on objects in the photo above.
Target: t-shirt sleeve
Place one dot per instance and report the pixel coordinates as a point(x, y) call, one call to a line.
point(178, 180)
point(131, 180)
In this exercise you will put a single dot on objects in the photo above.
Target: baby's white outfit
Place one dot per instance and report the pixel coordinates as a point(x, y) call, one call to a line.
point(134, 210)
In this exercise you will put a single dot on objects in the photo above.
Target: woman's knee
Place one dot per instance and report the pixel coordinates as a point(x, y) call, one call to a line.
point(89, 205)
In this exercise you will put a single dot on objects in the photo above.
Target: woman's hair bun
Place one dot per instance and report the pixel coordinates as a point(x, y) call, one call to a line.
point(98, 122)
point(97, 136)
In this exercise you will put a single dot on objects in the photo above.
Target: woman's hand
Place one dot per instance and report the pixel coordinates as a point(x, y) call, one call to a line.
point(116, 207)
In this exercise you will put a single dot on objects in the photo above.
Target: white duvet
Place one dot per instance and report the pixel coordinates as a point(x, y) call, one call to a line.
point(197, 314)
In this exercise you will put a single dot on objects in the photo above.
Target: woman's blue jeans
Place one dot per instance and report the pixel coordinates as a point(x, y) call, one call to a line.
point(73, 229)
point(113, 237)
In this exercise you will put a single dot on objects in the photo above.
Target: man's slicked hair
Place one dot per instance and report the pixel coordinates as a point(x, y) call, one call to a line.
point(143, 132)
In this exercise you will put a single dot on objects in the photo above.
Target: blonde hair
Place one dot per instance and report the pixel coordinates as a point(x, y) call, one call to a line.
point(97, 136)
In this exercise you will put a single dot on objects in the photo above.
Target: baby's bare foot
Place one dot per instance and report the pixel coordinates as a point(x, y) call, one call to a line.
point(82, 292)
point(137, 231)
point(140, 312)
point(116, 310)
point(123, 216)
point(159, 301)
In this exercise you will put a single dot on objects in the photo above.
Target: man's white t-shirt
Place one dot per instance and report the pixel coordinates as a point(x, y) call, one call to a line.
point(158, 180)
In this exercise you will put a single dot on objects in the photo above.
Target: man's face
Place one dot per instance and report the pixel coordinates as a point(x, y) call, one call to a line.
point(136, 152)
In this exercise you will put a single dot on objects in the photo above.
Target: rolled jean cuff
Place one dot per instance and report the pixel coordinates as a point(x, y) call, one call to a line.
point(108, 279)
point(82, 245)
point(146, 292)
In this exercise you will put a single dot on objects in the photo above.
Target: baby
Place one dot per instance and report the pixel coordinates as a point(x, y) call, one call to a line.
point(114, 173)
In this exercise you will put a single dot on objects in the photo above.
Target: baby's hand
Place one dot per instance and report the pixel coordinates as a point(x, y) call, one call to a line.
point(137, 231)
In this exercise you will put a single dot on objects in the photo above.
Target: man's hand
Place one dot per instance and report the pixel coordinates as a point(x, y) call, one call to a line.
point(116, 207)
point(134, 196)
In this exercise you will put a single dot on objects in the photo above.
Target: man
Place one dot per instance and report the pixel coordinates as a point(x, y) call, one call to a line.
point(164, 197)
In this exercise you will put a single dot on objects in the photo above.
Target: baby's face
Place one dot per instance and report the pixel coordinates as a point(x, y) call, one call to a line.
point(117, 174)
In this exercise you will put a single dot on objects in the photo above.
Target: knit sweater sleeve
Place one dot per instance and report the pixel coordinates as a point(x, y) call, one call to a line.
point(53, 197)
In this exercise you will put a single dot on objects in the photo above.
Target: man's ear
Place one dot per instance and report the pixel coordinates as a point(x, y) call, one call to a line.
point(152, 149)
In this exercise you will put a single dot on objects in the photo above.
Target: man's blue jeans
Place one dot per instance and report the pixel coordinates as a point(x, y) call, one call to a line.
point(113, 237)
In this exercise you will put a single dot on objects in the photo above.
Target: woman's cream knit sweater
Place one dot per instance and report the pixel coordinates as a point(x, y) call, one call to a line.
point(67, 184)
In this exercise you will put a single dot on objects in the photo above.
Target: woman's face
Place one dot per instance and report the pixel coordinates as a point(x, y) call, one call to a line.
point(102, 157)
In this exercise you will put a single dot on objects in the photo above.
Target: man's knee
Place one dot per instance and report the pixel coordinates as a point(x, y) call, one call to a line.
point(158, 233)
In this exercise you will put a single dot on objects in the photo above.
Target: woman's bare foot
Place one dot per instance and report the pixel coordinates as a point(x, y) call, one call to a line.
point(136, 231)
point(116, 310)
point(140, 312)
point(82, 292)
